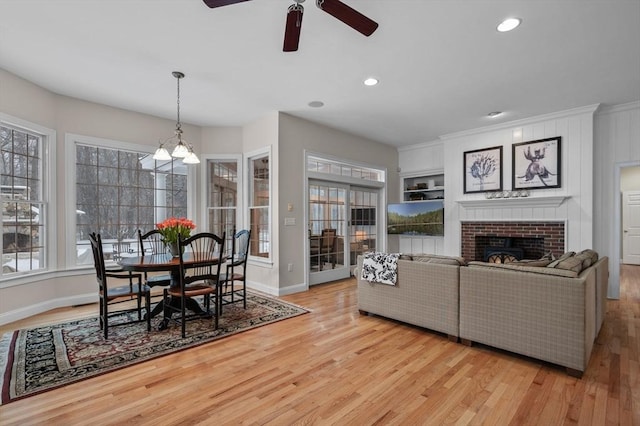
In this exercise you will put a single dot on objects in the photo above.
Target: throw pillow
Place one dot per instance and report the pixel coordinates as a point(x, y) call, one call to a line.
point(592, 254)
point(573, 263)
point(561, 258)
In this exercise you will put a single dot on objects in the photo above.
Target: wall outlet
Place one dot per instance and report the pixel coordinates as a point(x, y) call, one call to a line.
point(290, 267)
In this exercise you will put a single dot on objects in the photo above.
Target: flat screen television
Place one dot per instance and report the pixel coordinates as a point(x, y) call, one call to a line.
point(416, 218)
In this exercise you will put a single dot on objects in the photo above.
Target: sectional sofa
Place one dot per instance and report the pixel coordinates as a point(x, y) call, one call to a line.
point(546, 312)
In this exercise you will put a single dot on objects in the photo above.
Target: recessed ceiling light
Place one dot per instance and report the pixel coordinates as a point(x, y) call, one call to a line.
point(494, 114)
point(509, 24)
point(371, 81)
point(316, 104)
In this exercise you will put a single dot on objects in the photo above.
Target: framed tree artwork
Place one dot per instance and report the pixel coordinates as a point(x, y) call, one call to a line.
point(536, 164)
point(483, 170)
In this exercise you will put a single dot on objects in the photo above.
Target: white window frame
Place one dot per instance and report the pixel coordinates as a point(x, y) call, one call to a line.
point(204, 177)
point(48, 176)
point(71, 140)
point(248, 193)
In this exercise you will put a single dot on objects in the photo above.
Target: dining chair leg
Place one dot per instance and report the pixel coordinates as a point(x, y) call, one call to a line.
point(182, 320)
point(148, 309)
point(244, 295)
point(105, 316)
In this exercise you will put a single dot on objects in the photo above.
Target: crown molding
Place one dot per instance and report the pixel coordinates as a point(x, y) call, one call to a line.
point(589, 109)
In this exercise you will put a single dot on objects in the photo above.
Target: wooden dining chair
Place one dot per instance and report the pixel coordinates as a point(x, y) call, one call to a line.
point(234, 280)
point(151, 243)
point(324, 251)
point(109, 295)
point(201, 258)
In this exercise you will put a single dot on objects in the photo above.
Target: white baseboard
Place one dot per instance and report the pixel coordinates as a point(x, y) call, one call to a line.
point(280, 291)
point(38, 308)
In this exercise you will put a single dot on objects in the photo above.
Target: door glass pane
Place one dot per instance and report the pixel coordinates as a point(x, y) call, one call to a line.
point(327, 226)
point(363, 230)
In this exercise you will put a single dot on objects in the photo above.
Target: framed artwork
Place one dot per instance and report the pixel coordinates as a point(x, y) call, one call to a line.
point(483, 170)
point(537, 164)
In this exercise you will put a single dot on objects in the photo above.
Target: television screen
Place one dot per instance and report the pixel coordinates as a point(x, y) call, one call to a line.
point(419, 218)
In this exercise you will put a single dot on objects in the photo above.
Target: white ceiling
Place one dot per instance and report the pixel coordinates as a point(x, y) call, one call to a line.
point(442, 65)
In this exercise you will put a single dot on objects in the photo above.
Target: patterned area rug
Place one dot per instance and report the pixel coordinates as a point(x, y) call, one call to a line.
point(43, 358)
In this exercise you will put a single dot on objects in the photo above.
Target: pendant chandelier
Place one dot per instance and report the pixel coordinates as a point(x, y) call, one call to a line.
point(182, 149)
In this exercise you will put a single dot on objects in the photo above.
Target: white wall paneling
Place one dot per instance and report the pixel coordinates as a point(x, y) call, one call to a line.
point(575, 128)
point(617, 145)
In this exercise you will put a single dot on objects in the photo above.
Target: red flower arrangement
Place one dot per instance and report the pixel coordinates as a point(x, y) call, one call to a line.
point(171, 227)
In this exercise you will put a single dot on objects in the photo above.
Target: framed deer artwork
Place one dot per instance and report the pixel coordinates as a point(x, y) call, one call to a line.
point(483, 170)
point(537, 164)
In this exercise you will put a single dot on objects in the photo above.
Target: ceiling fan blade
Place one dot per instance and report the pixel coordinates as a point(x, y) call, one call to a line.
point(292, 28)
point(349, 16)
point(219, 3)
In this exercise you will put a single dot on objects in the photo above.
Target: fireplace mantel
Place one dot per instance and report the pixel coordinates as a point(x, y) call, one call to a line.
point(498, 203)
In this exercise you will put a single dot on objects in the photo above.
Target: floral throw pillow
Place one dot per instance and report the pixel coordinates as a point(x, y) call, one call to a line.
point(380, 267)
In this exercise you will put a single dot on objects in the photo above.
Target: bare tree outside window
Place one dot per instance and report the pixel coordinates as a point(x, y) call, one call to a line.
point(119, 192)
point(22, 205)
point(259, 200)
point(222, 197)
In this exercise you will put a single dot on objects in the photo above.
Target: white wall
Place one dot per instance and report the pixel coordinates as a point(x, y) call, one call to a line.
point(630, 179)
point(576, 129)
point(597, 149)
point(617, 144)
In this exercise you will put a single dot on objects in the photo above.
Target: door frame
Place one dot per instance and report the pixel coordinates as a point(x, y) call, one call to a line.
point(636, 193)
point(309, 175)
point(616, 250)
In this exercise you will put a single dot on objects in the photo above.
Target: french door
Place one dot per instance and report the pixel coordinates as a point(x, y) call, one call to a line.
point(342, 225)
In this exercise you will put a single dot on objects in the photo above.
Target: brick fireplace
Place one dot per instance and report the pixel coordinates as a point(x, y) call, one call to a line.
point(533, 239)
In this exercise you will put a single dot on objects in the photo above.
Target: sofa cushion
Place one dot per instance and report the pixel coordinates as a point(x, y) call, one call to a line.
point(434, 258)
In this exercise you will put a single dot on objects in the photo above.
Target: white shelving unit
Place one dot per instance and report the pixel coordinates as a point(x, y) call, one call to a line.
point(427, 185)
point(423, 186)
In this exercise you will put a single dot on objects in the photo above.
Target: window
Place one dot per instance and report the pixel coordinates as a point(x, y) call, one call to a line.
point(336, 168)
point(259, 203)
point(222, 197)
point(23, 205)
point(119, 191)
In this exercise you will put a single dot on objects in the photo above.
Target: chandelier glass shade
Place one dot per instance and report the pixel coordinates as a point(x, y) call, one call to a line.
point(182, 148)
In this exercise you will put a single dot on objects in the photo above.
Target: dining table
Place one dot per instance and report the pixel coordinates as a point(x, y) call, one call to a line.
point(164, 262)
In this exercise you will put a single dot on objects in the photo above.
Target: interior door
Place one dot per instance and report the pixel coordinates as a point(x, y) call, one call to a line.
point(631, 227)
point(328, 226)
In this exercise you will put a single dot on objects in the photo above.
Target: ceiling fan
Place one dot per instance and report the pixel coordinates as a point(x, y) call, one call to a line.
point(335, 8)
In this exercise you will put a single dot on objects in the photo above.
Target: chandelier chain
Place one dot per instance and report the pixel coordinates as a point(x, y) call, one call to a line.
point(178, 125)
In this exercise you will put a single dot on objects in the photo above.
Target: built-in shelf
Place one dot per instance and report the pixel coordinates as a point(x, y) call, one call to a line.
point(497, 203)
point(425, 186)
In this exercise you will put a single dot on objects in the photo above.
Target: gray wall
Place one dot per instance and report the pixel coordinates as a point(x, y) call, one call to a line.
point(296, 136)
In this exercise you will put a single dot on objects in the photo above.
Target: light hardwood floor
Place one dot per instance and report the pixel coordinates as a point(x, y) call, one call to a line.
point(334, 366)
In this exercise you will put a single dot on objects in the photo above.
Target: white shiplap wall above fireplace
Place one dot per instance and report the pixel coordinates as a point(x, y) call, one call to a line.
point(572, 202)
